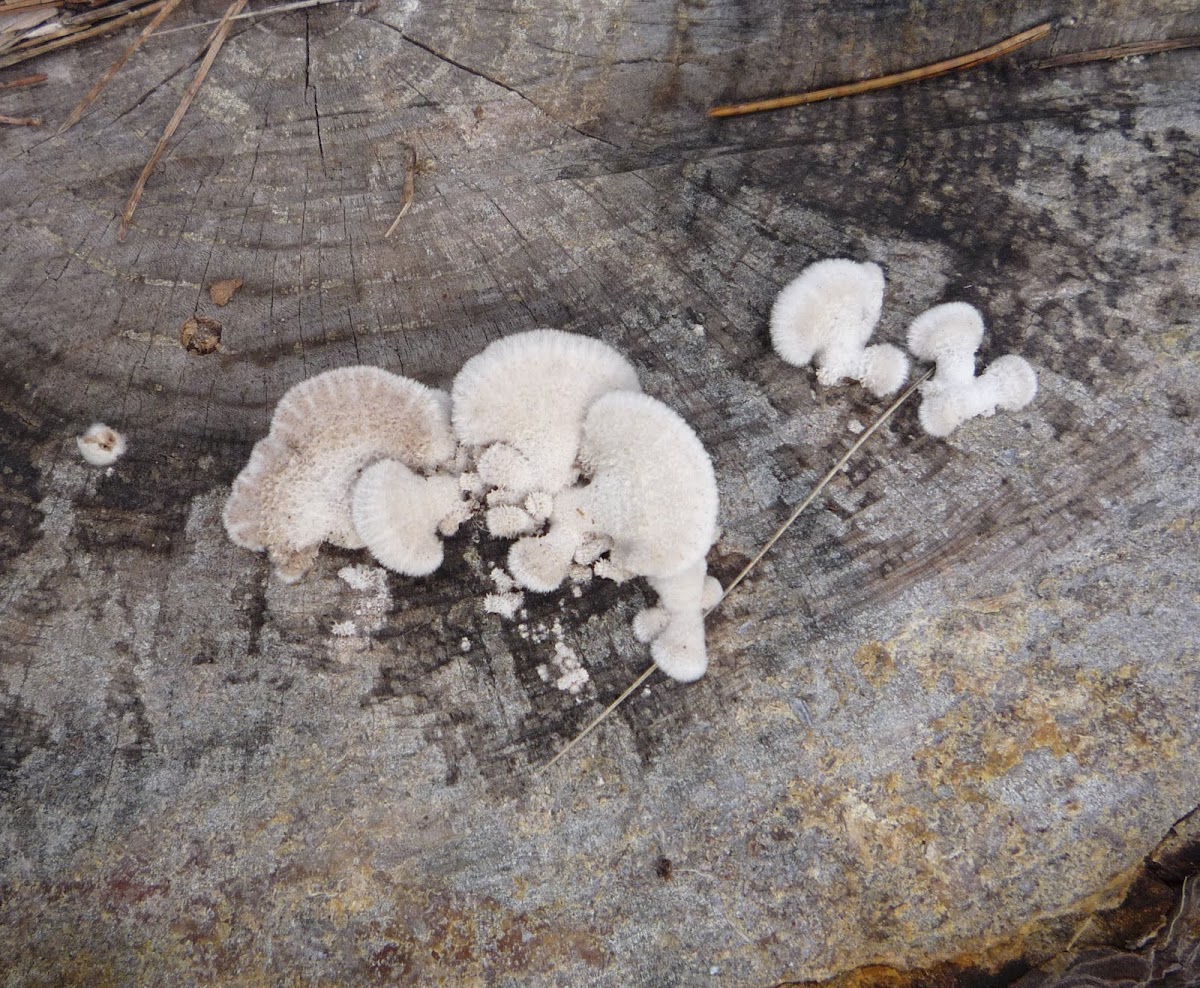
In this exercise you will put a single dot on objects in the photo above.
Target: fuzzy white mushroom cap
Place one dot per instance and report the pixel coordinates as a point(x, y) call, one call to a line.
point(295, 491)
point(652, 493)
point(398, 514)
point(541, 563)
point(652, 490)
point(826, 315)
point(529, 392)
point(950, 334)
point(101, 445)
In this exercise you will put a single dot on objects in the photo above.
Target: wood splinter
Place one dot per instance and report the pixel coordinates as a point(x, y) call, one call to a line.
point(218, 39)
point(25, 82)
point(887, 81)
point(406, 197)
point(20, 121)
point(749, 567)
point(163, 13)
point(1133, 49)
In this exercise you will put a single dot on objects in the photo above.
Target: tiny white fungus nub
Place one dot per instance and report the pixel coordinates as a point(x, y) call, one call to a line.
point(950, 335)
point(675, 628)
point(507, 521)
point(826, 315)
point(101, 445)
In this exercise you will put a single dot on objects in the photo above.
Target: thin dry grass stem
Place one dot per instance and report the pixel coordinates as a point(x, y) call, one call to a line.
point(957, 64)
point(255, 14)
point(1183, 903)
point(25, 82)
point(20, 121)
point(1129, 50)
point(70, 37)
point(603, 714)
point(821, 485)
point(116, 66)
point(406, 196)
point(194, 87)
point(748, 568)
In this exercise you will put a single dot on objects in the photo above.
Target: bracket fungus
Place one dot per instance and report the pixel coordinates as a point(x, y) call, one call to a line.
point(101, 445)
point(950, 335)
point(547, 433)
point(524, 397)
point(653, 494)
point(398, 514)
point(826, 315)
point(295, 491)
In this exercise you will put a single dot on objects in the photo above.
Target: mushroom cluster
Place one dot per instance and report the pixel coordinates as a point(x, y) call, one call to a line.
point(545, 433)
point(299, 488)
point(948, 335)
point(826, 314)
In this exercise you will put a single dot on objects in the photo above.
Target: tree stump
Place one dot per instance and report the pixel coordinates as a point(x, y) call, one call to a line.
point(944, 721)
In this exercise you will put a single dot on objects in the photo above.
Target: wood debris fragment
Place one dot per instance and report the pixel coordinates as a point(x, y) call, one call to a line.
point(1130, 50)
point(25, 82)
point(218, 39)
point(283, 8)
point(163, 13)
point(406, 197)
point(222, 291)
point(957, 64)
point(201, 335)
point(20, 121)
point(73, 29)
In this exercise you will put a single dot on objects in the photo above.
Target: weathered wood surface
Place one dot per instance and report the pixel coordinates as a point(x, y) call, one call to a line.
point(957, 703)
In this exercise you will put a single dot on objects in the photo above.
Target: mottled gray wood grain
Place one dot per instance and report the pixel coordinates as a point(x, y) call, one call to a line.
point(957, 701)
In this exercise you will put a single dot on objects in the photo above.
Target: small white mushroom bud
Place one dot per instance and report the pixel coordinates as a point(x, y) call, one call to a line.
point(678, 647)
point(539, 504)
point(508, 521)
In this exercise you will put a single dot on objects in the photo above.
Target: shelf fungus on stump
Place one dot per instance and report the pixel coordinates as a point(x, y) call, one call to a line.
point(652, 495)
point(296, 490)
point(950, 334)
point(825, 316)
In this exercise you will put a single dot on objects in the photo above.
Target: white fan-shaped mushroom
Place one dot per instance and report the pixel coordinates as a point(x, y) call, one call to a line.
point(398, 513)
point(653, 495)
point(826, 315)
point(950, 335)
point(295, 491)
point(529, 392)
point(652, 492)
